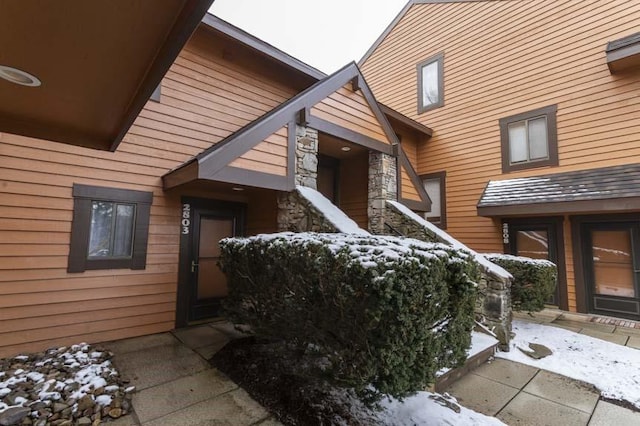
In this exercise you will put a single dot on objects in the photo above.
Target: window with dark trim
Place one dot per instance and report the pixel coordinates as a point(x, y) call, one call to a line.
point(110, 228)
point(431, 83)
point(529, 140)
point(435, 185)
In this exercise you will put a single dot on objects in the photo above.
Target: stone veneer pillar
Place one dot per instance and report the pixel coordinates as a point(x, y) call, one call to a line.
point(306, 174)
point(383, 186)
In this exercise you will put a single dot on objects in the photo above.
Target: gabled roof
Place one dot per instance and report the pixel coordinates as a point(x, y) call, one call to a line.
point(609, 188)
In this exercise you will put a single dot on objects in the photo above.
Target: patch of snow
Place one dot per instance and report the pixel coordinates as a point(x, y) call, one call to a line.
point(610, 367)
point(333, 214)
point(104, 400)
point(21, 357)
point(4, 392)
point(479, 342)
point(490, 266)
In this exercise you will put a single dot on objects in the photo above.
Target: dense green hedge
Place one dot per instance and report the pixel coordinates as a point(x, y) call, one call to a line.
point(534, 280)
point(379, 311)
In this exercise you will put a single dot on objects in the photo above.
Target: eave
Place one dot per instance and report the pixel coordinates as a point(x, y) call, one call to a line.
point(624, 54)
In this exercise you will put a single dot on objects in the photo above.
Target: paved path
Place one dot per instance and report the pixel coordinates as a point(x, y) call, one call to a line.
point(175, 385)
point(519, 394)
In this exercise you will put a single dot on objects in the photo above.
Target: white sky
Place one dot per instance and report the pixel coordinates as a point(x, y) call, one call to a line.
point(325, 34)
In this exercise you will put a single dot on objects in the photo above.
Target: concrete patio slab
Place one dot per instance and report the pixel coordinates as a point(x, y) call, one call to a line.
point(481, 394)
point(563, 390)
point(567, 327)
point(604, 328)
point(158, 364)
point(607, 414)
point(634, 342)
point(507, 372)
point(200, 336)
point(527, 409)
point(628, 331)
point(228, 329)
point(232, 408)
point(133, 344)
point(620, 339)
point(167, 398)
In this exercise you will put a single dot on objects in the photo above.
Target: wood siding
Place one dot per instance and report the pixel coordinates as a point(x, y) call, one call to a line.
point(206, 95)
point(353, 188)
point(269, 156)
point(502, 58)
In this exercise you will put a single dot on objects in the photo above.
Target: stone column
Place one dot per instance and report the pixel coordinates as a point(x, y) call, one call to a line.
point(383, 186)
point(494, 306)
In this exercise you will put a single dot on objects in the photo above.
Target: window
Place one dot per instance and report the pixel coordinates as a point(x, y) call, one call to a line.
point(529, 139)
point(434, 184)
point(431, 83)
point(110, 228)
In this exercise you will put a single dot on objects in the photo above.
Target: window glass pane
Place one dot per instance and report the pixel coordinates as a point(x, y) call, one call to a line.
point(518, 142)
point(430, 92)
point(123, 237)
point(432, 186)
point(538, 148)
point(100, 234)
point(533, 244)
point(612, 263)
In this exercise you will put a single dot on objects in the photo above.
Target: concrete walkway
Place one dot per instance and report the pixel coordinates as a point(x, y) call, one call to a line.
point(175, 385)
point(519, 394)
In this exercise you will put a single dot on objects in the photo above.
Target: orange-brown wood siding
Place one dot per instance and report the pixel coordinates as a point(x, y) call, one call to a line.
point(205, 97)
point(269, 156)
point(351, 110)
point(409, 142)
point(354, 192)
point(503, 58)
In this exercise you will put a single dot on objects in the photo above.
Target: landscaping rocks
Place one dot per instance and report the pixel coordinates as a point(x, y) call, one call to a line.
point(70, 386)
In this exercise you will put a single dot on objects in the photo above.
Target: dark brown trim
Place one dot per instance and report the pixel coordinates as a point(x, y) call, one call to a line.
point(83, 196)
point(185, 24)
point(247, 177)
point(425, 202)
point(377, 112)
point(415, 205)
point(386, 32)
point(550, 112)
point(302, 117)
point(291, 154)
point(602, 205)
point(391, 113)
point(247, 39)
point(186, 173)
point(349, 135)
point(442, 175)
point(557, 223)
point(355, 84)
point(439, 58)
point(620, 52)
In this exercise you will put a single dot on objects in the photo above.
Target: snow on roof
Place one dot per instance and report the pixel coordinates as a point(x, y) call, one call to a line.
point(333, 214)
point(491, 267)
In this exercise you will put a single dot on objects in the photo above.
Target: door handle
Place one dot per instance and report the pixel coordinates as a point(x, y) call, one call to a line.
point(194, 265)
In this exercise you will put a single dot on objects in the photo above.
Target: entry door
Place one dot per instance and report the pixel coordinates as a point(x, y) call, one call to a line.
point(205, 285)
point(612, 268)
point(537, 241)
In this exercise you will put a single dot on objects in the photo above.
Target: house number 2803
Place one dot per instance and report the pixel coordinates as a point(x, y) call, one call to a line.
point(186, 218)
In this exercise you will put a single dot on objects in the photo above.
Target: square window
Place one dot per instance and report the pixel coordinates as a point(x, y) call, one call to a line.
point(529, 140)
point(431, 83)
point(434, 184)
point(110, 228)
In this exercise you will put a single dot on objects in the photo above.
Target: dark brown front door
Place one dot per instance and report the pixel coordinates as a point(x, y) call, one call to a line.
point(539, 238)
point(612, 268)
point(204, 224)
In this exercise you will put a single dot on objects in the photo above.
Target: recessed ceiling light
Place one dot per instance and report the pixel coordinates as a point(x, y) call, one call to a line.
point(17, 76)
point(346, 148)
point(237, 188)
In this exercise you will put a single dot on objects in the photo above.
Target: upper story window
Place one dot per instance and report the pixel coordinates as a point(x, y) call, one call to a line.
point(431, 83)
point(529, 139)
point(435, 185)
point(110, 228)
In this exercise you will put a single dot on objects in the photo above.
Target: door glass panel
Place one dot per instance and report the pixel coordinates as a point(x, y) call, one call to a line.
point(613, 263)
point(533, 244)
point(211, 280)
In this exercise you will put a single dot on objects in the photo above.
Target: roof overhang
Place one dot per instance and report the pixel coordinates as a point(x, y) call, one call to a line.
point(98, 63)
point(607, 189)
point(624, 54)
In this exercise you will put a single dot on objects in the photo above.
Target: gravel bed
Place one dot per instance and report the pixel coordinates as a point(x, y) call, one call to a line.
point(67, 386)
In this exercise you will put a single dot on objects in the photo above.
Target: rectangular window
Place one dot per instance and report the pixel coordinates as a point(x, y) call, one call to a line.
point(431, 83)
point(529, 139)
point(435, 185)
point(110, 228)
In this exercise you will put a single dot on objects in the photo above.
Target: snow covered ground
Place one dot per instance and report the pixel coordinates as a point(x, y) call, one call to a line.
point(613, 369)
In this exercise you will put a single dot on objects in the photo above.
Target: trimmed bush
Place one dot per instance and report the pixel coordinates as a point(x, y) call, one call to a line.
point(384, 314)
point(534, 280)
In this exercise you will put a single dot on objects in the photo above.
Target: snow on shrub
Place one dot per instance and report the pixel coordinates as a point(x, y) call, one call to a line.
point(534, 280)
point(382, 313)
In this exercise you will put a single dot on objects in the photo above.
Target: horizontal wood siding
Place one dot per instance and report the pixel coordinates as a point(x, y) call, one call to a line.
point(409, 141)
point(353, 189)
point(204, 98)
point(269, 156)
point(502, 58)
point(350, 109)
point(262, 213)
